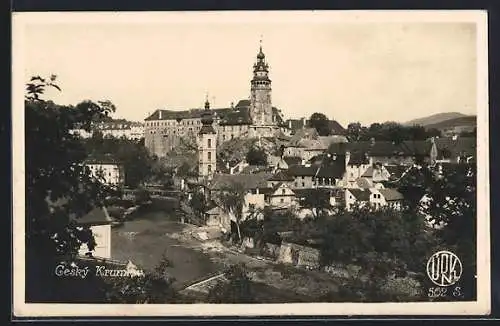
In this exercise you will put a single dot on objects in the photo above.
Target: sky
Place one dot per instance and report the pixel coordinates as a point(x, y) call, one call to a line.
point(365, 71)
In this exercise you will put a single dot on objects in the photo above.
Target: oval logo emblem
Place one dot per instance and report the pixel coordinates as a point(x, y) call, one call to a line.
point(444, 268)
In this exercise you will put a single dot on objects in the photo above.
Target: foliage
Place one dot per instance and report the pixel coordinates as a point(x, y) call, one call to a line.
point(152, 287)
point(320, 122)
point(365, 235)
point(231, 198)
point(138, 164)
point(236, 290)
point(389, 131)
point(256, 156)
point(317, 200)
point(199, 204)
point(58, 188)
point(54, 171)
point(446, 195)
point(142, 196)
point(385, 243)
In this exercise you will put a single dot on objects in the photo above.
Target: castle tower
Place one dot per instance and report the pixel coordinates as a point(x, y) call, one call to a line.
point(260, 99)
point(206, 145)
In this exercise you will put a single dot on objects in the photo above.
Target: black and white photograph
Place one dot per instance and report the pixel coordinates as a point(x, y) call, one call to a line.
point(250, 163)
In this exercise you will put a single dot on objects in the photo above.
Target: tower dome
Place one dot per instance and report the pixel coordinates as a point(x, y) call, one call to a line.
point(260, 55)
point(206, 115)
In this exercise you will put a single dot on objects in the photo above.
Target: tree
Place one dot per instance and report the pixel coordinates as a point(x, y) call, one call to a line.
point(138, 164)
point(152, 287)
point(58, 188)
point(320, 122)
point(199, 204)
point(236, 290)
point(256, 156)
point(355, 131)
point(231, 198)
point(380, 242)
point(446, 195)
point(317, 200)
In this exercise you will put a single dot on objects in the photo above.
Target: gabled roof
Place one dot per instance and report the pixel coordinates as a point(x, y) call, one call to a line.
point(301, 193)
point(96, 216)
point(281, 176)
point(384, 148)
point(396, 171)
point(302, 170)
point(360, 194)
point(304, 133)
point(336, 128)
point(252, 169)
point(331, 168)
point(186, 114)
point(456, 147)
point(248, 181)
point(368, 173)
point(243, 103)
point(239, 116)
point(358, 158)
point(363, 183)
point(391, 194)
point(292, 160)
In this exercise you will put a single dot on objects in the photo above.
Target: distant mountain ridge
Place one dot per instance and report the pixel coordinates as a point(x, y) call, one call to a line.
point(465, 121)
point(436, 119)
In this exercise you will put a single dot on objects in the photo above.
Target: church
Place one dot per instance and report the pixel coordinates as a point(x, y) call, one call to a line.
point(253, 117)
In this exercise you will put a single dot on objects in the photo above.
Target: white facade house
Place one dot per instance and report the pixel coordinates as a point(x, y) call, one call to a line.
point(106, 170)
point(99, 222)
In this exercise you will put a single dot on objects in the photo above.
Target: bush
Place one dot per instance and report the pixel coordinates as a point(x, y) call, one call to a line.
point(256, 156)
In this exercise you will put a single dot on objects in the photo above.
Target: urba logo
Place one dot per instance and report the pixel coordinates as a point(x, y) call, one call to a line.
point(444, 268)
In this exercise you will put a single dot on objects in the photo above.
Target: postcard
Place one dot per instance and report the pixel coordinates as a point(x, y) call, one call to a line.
point(305, 163)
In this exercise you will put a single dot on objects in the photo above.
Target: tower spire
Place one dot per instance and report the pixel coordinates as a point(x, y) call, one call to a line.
point(207, 103)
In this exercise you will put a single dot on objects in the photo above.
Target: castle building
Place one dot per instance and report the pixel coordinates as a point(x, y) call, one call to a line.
point(253, 117)
point(207, 145)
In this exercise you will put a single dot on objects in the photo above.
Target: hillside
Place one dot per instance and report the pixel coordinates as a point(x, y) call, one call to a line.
point(435, 118)
point(235, 150)
point(469, 121)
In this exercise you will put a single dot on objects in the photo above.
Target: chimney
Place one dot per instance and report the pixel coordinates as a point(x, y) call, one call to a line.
point(290, 124)
point(232, 105)
point(159, 114)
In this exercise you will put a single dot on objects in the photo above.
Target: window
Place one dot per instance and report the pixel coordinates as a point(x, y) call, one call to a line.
point(223, 137)
point(282, 200)
point(303, 184)
point(209, 168)
point(251, 207)
point(209, 145)
point(283, 191)
point(232, 136)
point(302, 177)
point(209, 156)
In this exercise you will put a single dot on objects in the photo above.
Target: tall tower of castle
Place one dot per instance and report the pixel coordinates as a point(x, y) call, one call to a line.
point(206, 144)
point(260, 101)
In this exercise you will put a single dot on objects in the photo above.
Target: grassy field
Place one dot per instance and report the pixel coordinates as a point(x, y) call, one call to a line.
point(144, 241)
